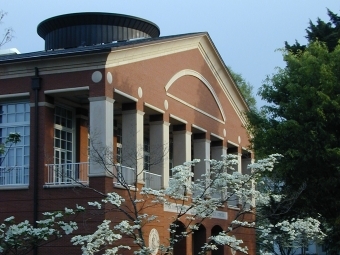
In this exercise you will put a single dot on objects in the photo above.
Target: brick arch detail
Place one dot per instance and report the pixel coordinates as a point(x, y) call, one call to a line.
point(189, 72)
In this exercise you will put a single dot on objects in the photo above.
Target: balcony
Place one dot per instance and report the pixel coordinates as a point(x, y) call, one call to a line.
point(68, 173)
point(153, 181)
point(126, 176)
point(15, 175)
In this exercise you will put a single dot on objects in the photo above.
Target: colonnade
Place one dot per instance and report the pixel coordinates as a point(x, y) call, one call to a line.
point(185, 142)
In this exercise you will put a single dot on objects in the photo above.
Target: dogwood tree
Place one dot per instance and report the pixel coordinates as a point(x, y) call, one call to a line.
point(21, 238)
point(287, 236)
point(195, 202)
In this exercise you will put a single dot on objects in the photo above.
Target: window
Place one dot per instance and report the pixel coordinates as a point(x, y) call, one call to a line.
point(14, 168)
point(63, 146)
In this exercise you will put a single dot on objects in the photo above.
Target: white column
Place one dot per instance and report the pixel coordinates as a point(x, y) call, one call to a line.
point(202, 152)
point(245, 163)
point(101, 134)
point(239, 161)
point(159, 150)
point(133, 140)
point(218, 151)
point(181, 147)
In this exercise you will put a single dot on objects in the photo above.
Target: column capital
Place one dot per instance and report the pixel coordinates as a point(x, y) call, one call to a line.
point(126, 112)
point(201, 140)
point(182, 132)
point(159, 122)
point(103, 98)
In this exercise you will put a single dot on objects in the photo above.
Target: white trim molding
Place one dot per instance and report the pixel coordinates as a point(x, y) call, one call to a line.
point(232, 143)
point(199, 128)
point(188, 72)
point(126, 95)
point(24, 94)
point(54, 91)
point(217, 136)
point(154, 108)
point(195, 108)
point(178, 118)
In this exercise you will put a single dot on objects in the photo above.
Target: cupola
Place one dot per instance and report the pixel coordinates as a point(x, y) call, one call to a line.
point(93, 28)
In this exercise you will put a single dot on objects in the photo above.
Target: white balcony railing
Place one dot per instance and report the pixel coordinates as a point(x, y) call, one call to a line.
point(153, 181)
point(126, 175)
point(14, 175)
point(68, 173)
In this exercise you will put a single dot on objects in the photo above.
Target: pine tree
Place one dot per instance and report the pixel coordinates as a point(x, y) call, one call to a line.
point(327, 32)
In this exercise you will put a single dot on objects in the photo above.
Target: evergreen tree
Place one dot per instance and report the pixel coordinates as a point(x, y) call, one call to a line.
point(328, 32)
point(302, 123)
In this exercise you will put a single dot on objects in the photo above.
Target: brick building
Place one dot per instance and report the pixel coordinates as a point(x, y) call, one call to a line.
point(111, 79)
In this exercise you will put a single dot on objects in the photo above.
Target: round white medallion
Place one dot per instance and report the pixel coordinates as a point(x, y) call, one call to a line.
point(233, 252)
point(97, 76)
point(239, 139)
point(140, 92)
point(224, 132)
point(109, 77)
point(154, 241)
point(166, 104)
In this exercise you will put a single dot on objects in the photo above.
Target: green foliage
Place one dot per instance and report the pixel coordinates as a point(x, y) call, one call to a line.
point(245, 87)
point(302, 123)
point(328, 32)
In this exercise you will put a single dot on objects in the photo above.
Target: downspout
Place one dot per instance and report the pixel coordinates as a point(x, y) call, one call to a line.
point(36, 85)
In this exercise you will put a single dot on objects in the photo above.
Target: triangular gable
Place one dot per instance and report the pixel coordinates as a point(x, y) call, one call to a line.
point(172, 45)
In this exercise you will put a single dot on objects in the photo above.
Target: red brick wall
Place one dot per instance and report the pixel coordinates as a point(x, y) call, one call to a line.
point(151, 75)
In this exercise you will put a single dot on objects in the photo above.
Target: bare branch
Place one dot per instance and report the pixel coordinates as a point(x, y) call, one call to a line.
point(8, 35)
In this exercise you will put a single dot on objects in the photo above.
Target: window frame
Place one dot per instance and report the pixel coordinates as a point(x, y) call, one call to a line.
point(59, 127)
point(19, 174)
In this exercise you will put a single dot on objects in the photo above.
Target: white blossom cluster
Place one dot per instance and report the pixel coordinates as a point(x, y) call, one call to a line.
point(224, 239)
point(100, 240)
point(292, 233)
point(180, 185)
point(194, 202)
point(22, 237)
point(110, 198)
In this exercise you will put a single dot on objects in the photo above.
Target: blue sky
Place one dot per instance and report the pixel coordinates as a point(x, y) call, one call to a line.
point(247, 33)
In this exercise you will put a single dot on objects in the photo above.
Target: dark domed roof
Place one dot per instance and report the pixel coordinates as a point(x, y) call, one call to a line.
point(92, 28)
